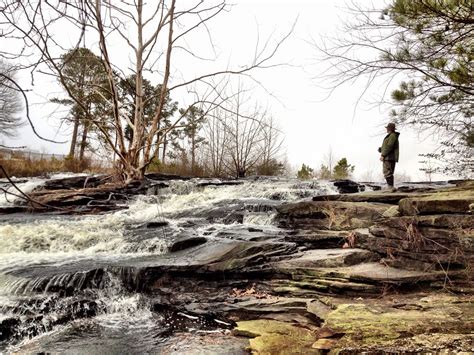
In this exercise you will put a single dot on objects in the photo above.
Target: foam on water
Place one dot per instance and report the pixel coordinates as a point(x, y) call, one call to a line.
point(185, 195)
point(259, 219)
point(7, 199)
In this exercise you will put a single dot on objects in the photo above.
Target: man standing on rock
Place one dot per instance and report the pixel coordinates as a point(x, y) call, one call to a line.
point(389, 154)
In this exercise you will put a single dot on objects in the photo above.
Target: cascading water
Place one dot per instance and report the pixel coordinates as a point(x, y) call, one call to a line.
point(61, 277)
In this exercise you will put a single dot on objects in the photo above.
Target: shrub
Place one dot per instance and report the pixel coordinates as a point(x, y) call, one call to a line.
point(305, 172)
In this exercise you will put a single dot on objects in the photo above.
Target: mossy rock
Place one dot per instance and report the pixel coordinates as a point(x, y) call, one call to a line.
point(391, 212)
point(372, 326)
point(270, 337)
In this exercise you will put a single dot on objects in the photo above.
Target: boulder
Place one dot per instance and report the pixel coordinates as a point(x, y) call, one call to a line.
point(348, 186)
point(8, 328)
point(157, 224)
point(186, 242)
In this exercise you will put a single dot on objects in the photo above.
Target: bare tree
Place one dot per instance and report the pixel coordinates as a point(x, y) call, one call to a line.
point(150, 33)
point(329, 159)
point(10, 101)
point(245, 134)
point(217, 137)
point(271, 147)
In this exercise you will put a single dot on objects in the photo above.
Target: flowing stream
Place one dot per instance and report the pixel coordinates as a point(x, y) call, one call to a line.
point(50, 301)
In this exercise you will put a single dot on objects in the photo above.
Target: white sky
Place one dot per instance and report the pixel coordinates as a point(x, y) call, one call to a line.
point(310, 124)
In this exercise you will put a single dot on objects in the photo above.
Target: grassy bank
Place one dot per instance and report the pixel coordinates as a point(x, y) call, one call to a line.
point(19, 165)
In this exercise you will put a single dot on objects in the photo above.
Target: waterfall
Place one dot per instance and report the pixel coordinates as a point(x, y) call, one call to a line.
point(58, 273)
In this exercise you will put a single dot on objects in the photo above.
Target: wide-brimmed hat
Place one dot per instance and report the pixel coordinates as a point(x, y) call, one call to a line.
point(391, 125)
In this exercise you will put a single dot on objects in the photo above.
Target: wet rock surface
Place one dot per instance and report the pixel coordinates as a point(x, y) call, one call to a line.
point(348, 186)
point(337, 273)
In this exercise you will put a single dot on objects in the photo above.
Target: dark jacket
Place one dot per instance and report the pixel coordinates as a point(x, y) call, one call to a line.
point(389, 149)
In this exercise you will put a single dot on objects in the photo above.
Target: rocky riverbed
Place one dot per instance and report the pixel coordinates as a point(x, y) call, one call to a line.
point(260, 265)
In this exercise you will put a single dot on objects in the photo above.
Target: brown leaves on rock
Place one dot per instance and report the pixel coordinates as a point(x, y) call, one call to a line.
point(250, 291)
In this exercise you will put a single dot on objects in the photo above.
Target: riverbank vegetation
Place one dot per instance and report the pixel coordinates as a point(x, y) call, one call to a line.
point(342, 170)
point(24, 165)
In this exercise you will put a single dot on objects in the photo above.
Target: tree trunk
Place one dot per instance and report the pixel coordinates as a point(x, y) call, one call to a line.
point(163, 156)
point(85, 132)
point(193, 153)
point(72, 149)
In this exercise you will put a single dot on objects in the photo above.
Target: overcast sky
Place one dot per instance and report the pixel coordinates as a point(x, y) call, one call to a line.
point(311, 124)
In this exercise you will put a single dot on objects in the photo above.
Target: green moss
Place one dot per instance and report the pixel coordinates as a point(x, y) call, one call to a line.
point(360, 322)
point(365, 325)
point(274, 337)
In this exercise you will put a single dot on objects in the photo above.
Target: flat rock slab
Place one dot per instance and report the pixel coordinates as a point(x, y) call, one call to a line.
point(444, 221)
point(397, 328)
point(371, 196)
point(376, 272)
point(388, 197)
point(247, 306)
point(327, 258)
point(275, 337)
point(332, 215)
point(373, 273)
point(438, 203)
point(363, 279)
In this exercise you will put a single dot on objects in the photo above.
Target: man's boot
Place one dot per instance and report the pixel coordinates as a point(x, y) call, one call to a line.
point(390, 181)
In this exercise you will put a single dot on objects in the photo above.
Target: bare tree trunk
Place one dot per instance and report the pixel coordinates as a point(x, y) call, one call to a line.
point(164, 89)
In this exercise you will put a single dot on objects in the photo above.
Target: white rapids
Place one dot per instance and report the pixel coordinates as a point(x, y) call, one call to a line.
point(105, 234)
point(59, 240)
